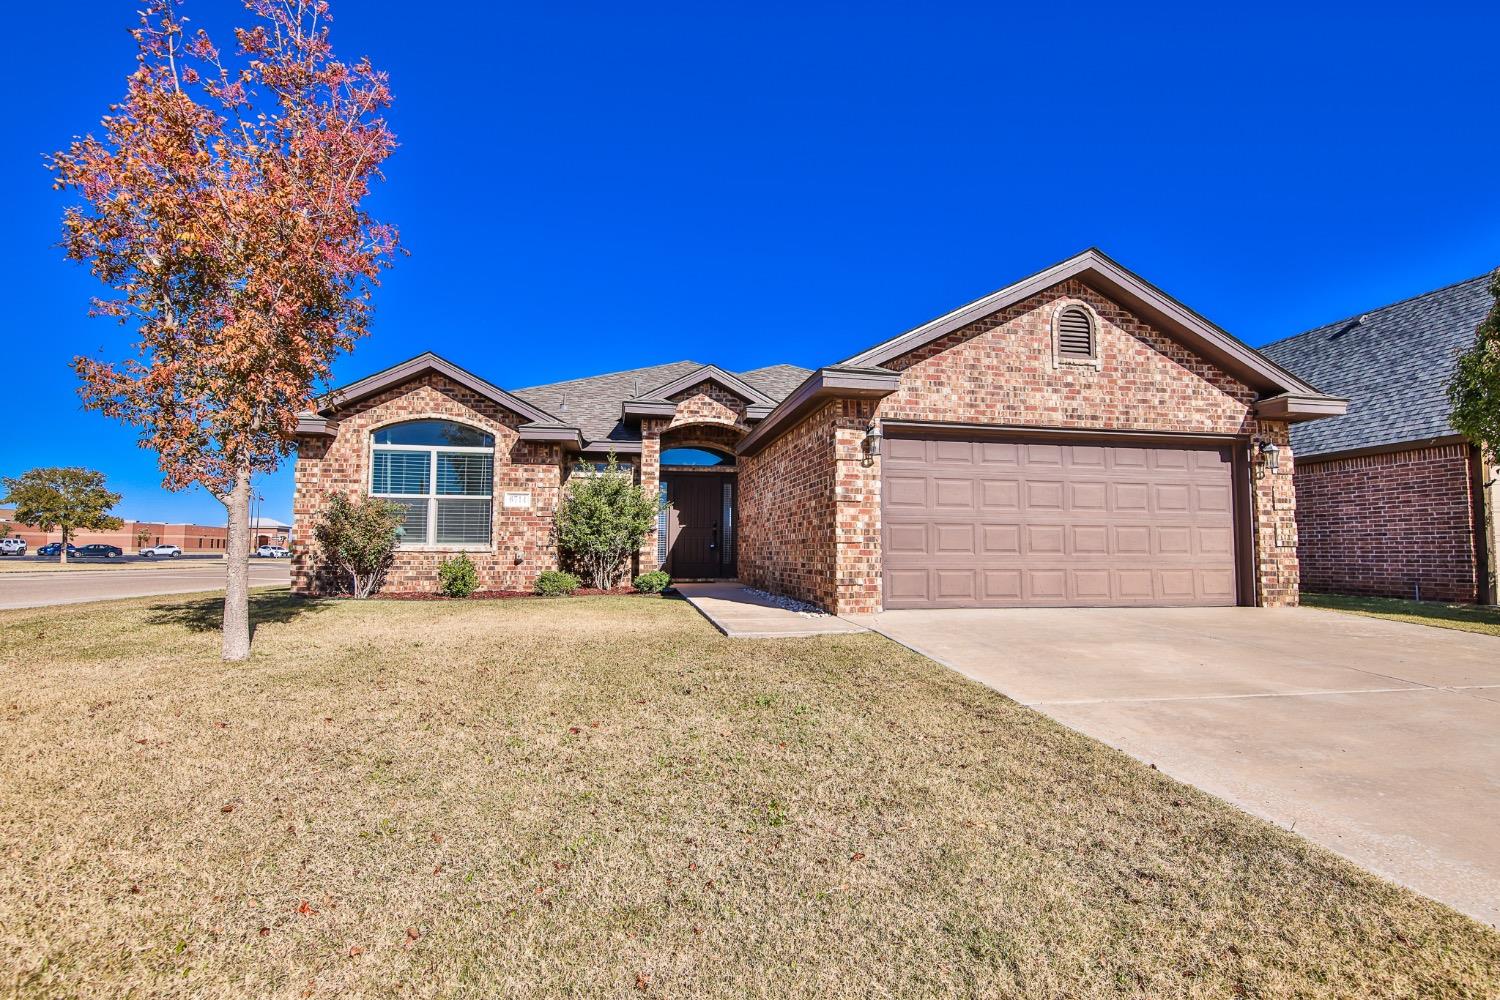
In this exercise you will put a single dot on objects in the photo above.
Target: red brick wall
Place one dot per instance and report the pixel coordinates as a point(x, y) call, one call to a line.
point(1389, 525)
point(1000, 370)
point(522, 544)
point(786, 536)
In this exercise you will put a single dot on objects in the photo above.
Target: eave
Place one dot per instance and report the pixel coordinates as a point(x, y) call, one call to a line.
point(1293, 407)
point(822, 386)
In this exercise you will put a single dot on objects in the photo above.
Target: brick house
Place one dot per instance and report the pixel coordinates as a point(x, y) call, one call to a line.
point(1077, 437)
point(1391, 500)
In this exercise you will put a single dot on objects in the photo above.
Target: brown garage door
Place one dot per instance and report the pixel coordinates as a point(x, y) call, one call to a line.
point(995, 523)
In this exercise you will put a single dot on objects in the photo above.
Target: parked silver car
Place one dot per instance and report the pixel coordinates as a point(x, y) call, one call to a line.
point(162, 552)
point(12, 546)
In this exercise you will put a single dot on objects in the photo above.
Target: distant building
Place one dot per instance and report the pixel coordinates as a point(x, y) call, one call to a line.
point(133, 535)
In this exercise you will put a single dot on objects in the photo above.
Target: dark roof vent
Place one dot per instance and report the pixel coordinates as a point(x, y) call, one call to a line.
point(1075, 333)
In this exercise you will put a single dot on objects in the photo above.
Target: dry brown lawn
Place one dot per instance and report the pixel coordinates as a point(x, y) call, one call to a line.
point(603, 797)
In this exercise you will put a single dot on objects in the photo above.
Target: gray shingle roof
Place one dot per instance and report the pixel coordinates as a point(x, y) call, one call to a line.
point(593, 403)
point(1393, 367)
point(777, 381)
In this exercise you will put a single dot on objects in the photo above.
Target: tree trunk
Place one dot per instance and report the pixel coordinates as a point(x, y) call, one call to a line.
point(237, 557)
point(62, 553)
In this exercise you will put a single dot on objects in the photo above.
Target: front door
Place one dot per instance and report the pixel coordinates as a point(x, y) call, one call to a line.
point(696, 536)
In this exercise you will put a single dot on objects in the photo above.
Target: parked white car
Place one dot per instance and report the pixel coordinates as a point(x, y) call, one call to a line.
point(12, 546)
point(162, 552)
point(273, 552)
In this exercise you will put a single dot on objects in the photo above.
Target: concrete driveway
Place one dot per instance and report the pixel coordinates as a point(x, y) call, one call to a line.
point(1377, 739)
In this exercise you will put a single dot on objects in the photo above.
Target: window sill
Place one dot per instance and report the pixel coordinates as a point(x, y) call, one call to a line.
point(444, 548)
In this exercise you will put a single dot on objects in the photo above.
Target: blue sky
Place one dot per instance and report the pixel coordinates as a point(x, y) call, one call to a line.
point(584, 188)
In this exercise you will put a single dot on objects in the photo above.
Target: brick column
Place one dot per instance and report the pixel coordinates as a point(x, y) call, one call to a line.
point(650, 482)
point(1275, 495)
point(856, 518)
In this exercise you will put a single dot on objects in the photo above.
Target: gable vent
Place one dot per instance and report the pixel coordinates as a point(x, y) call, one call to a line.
point(1075, 333)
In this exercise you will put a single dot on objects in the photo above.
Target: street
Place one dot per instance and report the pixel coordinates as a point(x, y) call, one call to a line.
point(39, 589)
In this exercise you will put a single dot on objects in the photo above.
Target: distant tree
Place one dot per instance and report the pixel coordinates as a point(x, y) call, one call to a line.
point(1474, 390)
point(221, 206)
point(69, 500)
point(358, 537)
point(602, 520)
point(142, 536)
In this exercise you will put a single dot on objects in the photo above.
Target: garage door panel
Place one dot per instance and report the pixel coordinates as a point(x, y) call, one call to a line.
point(954, 539)
point(907, 539)
point(899, 450)
point(1216, 584)
point(1088, 496)
point(1215, 541)
point(953, 494)
point(1043, 494)
point(1174, 540)
point(1091, 586)
point(1171, 498)
point(1001, 539)
point(1001, 585)
point(1088, 457)
point(1000, 494)
point(1133, 539)
point(954, 584)
point(1135, 585)
point(1007, 523)
point(1130, 497)
point(1090, 540)
point(907, 585)
point(953, 452)
point(1046, 586)
point(1176, 584)
point(1000, 454)
point(1044, 455)
point(1217, 499)
point(905, 491)
point(1043, 539)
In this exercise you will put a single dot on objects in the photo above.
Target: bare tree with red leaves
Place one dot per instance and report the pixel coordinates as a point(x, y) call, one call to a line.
point(222, 208)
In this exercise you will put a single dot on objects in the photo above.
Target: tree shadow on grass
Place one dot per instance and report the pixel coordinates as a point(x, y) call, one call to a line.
point(206, 614)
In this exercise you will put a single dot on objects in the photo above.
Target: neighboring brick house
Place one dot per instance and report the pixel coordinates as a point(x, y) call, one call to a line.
point(1075, 438)
point(1391, 500)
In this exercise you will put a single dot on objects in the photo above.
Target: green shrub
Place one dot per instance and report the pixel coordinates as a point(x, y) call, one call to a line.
point(457, 577)
point(556, 583)
point(652, 583)
point(603, 518)
point(358, 538)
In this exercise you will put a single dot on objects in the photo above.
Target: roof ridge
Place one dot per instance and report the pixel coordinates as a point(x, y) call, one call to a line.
point(623, 371)
point(779, 364)
point(1380, 309)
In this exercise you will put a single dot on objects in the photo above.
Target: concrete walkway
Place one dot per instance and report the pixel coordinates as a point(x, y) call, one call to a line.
point(1379, 740)
point(741, 613)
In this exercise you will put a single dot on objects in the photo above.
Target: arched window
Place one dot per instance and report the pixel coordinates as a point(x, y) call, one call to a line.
point(443, 474)
point(1075, 333)
point(693, 456)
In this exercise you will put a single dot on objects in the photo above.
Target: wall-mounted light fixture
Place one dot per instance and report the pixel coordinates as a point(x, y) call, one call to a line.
point(873, 437)
point(1270, 456)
